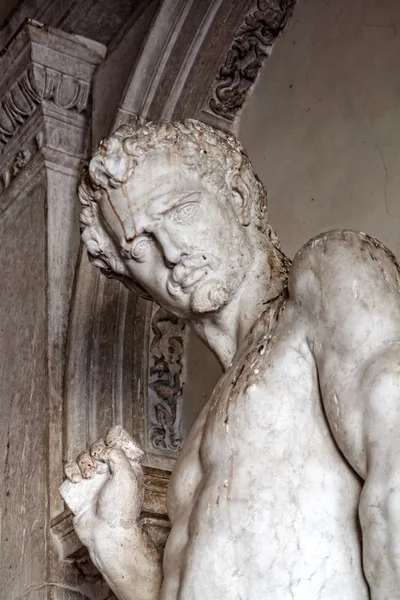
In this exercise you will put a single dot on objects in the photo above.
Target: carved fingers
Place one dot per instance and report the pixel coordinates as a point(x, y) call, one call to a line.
point(106, 480)
point(100, 456)
point(119, 438)
point(73, 472)
point(97, 449)
point(86, 465)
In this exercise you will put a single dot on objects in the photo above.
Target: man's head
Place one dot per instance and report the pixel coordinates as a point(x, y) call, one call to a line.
point(174, 211)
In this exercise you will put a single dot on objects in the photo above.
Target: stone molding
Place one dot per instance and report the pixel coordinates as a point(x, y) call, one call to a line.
point(253, 42)
point(205, 71)
point(36, 84)
point(45, 96)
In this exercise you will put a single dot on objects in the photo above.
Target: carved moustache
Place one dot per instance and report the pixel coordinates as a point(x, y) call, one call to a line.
point(190, 270)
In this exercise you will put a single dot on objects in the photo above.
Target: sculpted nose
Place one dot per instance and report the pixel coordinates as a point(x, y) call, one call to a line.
point(172, 252)
point(173, 256)
point(168, 264)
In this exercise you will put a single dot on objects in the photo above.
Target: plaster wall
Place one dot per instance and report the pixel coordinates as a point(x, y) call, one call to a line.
point(323, 124)
point(6, 6)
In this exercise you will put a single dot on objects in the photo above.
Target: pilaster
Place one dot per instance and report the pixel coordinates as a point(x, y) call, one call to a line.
point(45, 108)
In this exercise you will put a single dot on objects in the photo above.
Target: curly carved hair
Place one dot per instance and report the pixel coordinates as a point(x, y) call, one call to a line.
point(218, 158)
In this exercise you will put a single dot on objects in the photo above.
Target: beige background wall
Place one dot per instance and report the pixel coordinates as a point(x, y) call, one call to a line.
point(323, 124)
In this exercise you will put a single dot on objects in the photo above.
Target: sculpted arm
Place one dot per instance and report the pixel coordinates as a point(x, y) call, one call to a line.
point(105, 492)
point(380, 499)
point(348, 285)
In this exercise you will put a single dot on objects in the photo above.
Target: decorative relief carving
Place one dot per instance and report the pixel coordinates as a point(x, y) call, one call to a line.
point(36, 84)
point(166, 381)
point(20, 160)
point(253, 42)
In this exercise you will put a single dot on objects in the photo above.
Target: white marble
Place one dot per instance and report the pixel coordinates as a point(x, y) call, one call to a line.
point(263, 504)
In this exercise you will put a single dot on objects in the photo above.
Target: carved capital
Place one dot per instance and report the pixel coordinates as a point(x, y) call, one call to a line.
point(46, 77)
point(36, 84)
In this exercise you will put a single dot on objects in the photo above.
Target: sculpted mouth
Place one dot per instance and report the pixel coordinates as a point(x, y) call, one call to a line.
point(193, 278)
point(187, 282)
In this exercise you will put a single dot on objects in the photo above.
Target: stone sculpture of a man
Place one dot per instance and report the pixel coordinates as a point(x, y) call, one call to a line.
point(263, 505)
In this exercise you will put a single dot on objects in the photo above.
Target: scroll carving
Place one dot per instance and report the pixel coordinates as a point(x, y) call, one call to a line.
point(251, 45)
point(166, 382)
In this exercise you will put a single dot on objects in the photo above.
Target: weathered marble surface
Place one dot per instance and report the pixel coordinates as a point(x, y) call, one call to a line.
point(262, 502)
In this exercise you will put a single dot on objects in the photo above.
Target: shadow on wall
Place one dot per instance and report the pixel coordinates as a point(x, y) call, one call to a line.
point(203, 372)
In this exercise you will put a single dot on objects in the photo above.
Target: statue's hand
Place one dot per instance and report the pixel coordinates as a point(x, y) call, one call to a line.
point(104, 489)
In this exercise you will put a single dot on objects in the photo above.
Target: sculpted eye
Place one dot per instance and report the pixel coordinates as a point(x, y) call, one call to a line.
point(186, 211)
point(140, 247)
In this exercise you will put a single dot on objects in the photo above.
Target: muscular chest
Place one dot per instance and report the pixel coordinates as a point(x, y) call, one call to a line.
point(267, 404)
point(268, 469)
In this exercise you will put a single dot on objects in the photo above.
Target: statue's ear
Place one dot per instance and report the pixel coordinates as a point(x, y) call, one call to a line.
point(241, 195)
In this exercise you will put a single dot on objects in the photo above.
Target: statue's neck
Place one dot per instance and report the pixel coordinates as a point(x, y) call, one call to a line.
point(227, 330)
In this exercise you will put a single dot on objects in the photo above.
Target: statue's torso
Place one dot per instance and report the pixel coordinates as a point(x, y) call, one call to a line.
point(267, 505)
point(263, 504)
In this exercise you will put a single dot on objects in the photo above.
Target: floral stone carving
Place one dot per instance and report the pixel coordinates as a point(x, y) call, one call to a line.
point(252, 44)
point(166, 381)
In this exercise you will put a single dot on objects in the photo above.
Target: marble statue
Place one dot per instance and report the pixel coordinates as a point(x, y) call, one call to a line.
point(299, 444)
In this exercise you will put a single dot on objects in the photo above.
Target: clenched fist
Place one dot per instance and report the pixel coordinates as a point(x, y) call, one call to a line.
point(105, 490)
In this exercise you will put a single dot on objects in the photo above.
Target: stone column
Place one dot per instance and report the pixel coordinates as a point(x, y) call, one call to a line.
point(44, 139)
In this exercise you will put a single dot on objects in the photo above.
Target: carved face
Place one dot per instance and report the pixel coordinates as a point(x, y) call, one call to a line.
point(181, 241)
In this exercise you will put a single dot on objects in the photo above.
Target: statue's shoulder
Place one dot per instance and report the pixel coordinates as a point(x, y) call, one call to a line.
point(331, 248)
point(343, 259)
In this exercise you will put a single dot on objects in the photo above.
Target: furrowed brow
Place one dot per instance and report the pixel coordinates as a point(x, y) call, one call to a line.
point(176, 200)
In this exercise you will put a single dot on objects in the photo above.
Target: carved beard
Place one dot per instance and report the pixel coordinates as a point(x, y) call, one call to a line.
point(208, 297)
